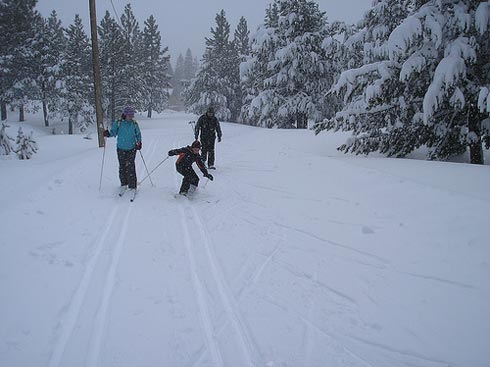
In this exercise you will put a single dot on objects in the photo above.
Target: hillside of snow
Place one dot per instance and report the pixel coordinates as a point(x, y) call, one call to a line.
point(295, 255)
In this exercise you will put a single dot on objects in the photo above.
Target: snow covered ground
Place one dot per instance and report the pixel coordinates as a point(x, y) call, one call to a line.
point(296, 255)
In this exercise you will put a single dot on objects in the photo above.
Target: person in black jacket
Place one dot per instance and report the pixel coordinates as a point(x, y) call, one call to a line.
point(187, 156)
point(208, 126)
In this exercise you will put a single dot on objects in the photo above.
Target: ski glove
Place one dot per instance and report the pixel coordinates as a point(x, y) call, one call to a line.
point(210, 176)
point(138, 145)
point(171, 153)
point(219, 139)
point(106, 133)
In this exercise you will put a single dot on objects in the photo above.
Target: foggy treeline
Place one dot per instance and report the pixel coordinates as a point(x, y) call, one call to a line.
point(408, 74)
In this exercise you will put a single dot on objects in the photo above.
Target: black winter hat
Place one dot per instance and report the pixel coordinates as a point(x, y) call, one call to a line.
point(196, 144)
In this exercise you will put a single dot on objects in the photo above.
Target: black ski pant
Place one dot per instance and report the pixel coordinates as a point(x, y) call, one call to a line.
point(207, 149)
point(127, 169)
point(190, 178)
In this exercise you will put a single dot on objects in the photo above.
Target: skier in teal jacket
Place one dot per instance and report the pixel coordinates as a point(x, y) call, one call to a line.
point(128, 142)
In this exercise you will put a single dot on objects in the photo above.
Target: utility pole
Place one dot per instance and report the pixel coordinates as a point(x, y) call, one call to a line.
point(97, 80)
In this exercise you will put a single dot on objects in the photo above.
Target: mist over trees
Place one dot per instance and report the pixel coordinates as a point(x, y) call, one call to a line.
point(42, 61)
point(410, 74)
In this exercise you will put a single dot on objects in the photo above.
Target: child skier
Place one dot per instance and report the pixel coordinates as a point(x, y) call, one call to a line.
point(187, 156)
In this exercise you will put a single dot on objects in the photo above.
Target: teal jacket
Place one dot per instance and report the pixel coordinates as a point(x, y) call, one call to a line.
point(128, 133)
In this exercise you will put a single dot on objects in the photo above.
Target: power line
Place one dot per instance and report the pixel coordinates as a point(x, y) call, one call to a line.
point(117, 15)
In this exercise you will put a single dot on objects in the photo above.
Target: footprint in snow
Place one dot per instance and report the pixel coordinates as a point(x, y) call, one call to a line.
point(367, 230)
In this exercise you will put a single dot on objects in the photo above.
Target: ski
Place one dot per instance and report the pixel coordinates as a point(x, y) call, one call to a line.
point(123, 190)
point(133, 195)
point(194, 199)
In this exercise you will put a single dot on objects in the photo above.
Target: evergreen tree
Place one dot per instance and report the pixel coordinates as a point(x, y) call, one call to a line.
point(339, 58)
point(77, 76)
point(112, 63)
point(177, 81)
point(17, 30)
point(48, 48)
point(214, 84)
point(255, 70)
point(5, 141)
point(188, 69)
point(425, 84)
point(133, 67)
point(377, 104)
point(288, 80)
point(454, 104)
point(26, 145)
point(242, 38)
point(241, 43)
point(156, 79)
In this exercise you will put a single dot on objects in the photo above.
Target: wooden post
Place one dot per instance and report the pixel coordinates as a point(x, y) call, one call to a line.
point(97, 80)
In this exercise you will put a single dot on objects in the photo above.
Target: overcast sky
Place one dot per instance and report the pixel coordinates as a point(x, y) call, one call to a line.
point(185, 23)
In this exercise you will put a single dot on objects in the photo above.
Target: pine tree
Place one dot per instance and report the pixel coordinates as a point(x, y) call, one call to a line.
point(339, 58)
point(188, 69)
point(288, 67)
point(133, 67)
point(26, 145)
point(77, 75)
point(255, 71)
point(214, 82)
point(425, 85)
point(241, 43)
point(454, 105)
point(17, 30)
point(177, 82)
point(379, 108)
point(6, 146)
point(48, 48)
point(242, 38)
point(112, 63)
point(155, 78)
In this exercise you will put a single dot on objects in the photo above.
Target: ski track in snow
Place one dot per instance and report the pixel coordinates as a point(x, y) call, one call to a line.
point(244, 339)
point(204, 313)
point(110, 281)
point(224, 336)
point(67, 324)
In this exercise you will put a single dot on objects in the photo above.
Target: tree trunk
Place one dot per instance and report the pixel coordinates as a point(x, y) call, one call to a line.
point(474, 130)
point(21, 113)
point(301, 121)
point(149, 113)
point(70, 123)
point(3, 107)
point(45, 113)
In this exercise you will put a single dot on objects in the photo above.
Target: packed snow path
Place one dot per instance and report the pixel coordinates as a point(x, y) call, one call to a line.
point(295, 255)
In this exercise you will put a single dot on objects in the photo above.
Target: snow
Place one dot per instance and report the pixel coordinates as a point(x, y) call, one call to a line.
point(295, 255)
point(482, 16)
point(400, 39)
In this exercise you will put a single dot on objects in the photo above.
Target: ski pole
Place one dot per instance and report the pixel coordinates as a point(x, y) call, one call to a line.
point(102, 168)
point(148, 175)
point(146, 169)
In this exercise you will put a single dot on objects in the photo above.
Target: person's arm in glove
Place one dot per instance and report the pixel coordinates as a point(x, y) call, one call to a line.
point(106, 133)
point(139, 145)
point(209, 175)
point(176, 151)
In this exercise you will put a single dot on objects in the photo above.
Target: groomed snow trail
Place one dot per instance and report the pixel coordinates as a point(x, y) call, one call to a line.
point(288, 258)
